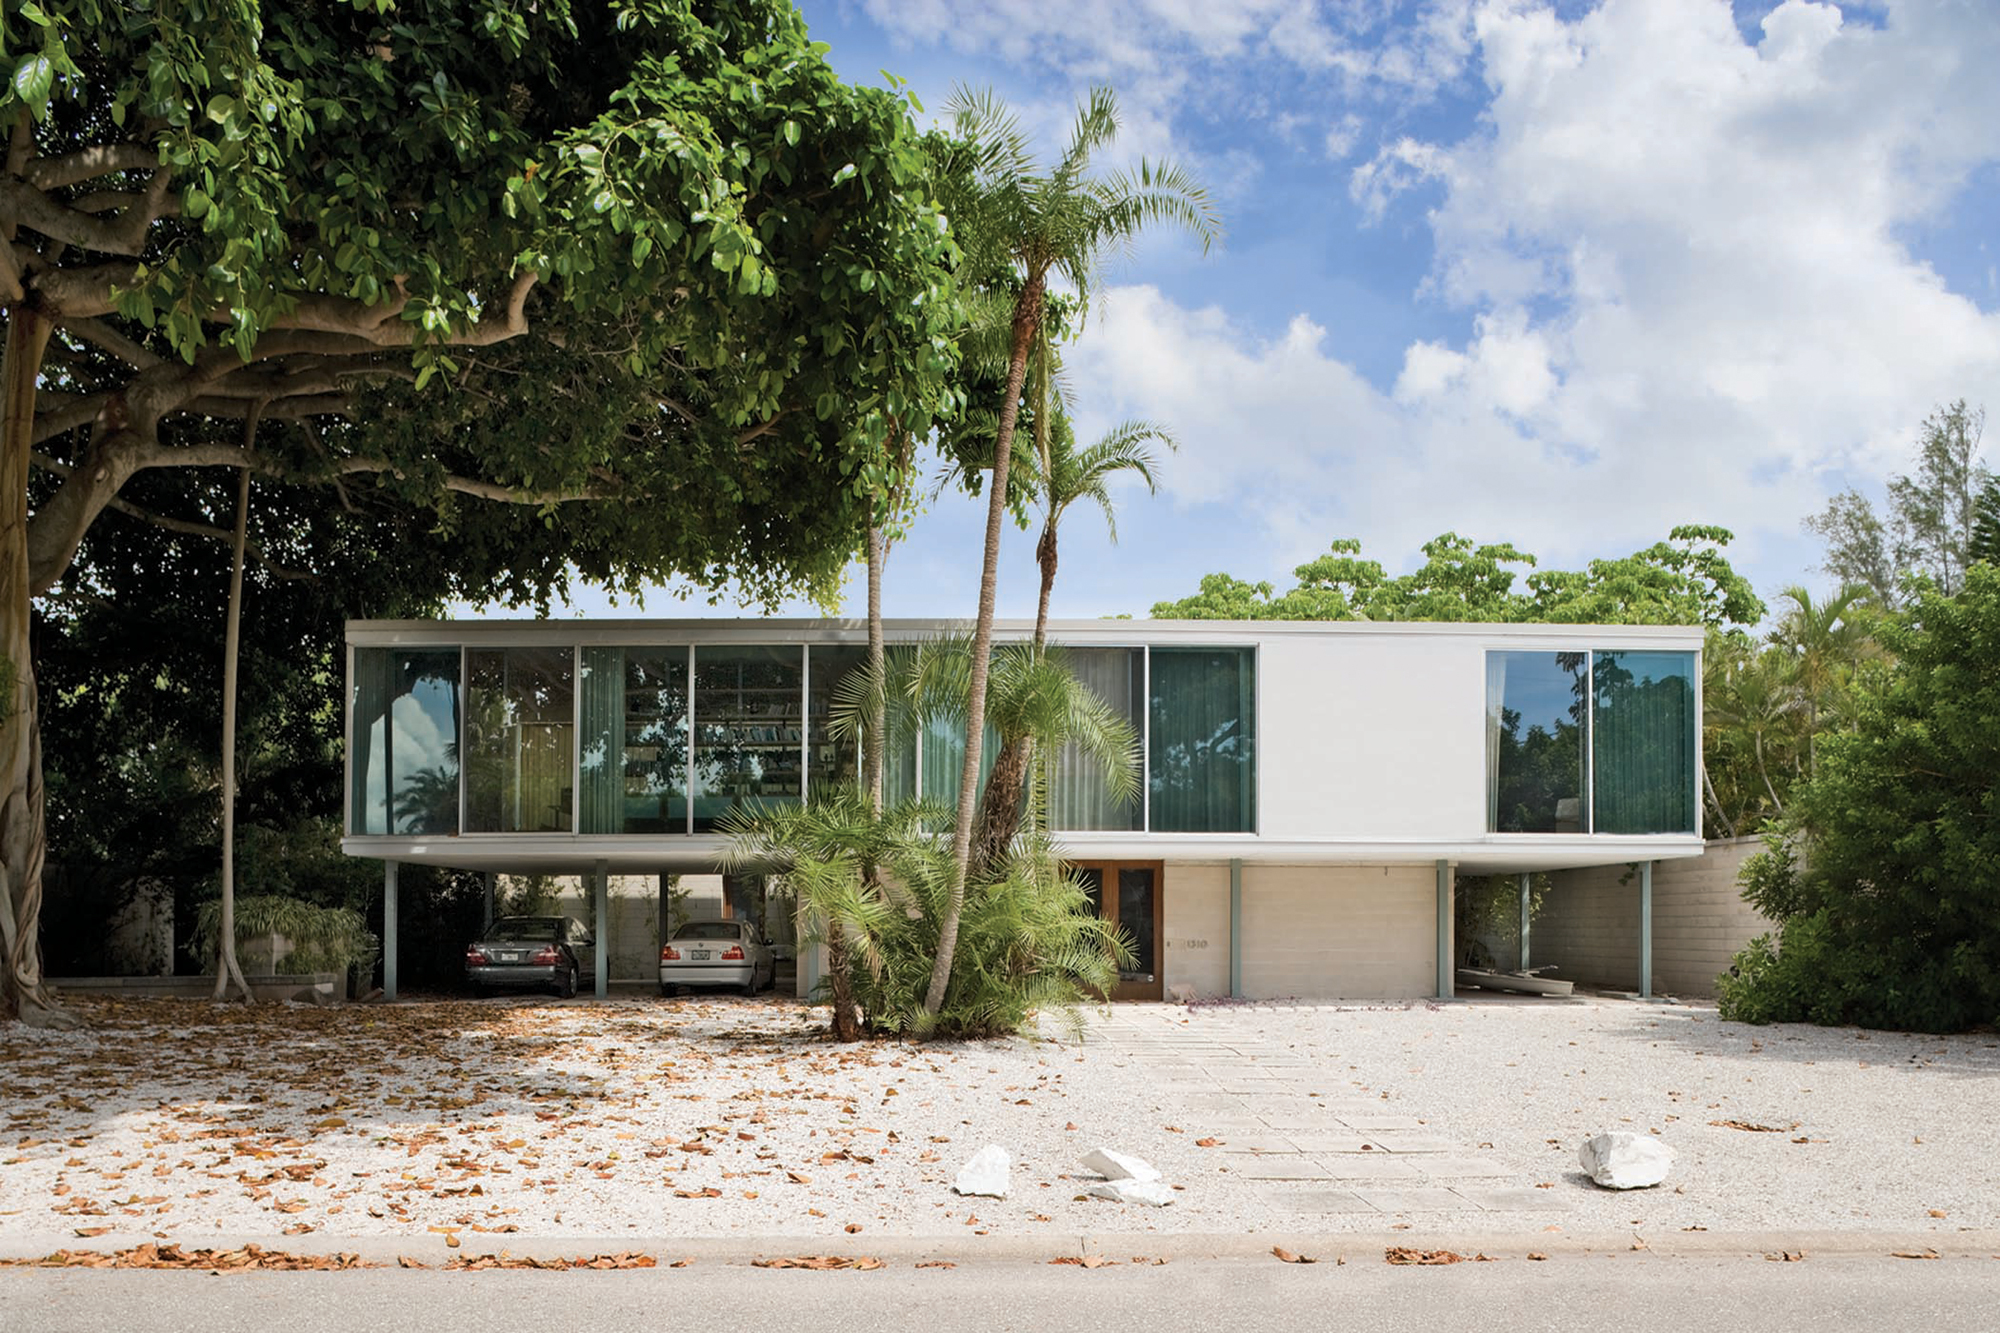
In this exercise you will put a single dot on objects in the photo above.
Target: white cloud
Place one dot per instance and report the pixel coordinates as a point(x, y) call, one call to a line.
point(1680, 257)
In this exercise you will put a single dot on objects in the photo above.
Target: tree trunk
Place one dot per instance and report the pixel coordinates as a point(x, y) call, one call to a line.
point(227, 969)
point(1000, 808)
point(1027, 318)
point(1045, 556)
point(878, 707)
point(1728, 825)
point(23, 992)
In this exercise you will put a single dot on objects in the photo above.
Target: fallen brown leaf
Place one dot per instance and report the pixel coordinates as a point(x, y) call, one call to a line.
point(823, 1262)
point(1403, 1254)
point(1286, 1256)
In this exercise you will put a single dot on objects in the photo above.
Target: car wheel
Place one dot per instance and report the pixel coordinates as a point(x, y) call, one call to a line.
point(566, 987)
point(666, 991)
point(480, 992)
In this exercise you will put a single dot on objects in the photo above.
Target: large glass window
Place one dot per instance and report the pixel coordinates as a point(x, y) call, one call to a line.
point(404, 751)
point(1079, 797)
point(829, 761)
point(520, 739)
point(1537, 733)
point(1201, 770)
point(1643, 743)
point(632, 765)
point(747, 747)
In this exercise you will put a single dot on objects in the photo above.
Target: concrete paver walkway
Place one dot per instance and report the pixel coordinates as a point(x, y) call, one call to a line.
point(1283, 1121)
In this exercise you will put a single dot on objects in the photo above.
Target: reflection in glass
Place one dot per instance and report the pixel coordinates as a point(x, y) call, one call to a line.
point(747, 749)
point(1078, 798)
point(828, 761)
point(520, 739)
point(405, 744)
point(1201, 769)
point(1643, 744)
point(632, 765)
point(1136, 890)
point(1537, 724)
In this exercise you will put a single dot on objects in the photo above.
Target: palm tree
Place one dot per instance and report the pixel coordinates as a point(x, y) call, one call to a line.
point(1747, 694)
point(1068, 475)
point(1825, 642)
point(1020, 226)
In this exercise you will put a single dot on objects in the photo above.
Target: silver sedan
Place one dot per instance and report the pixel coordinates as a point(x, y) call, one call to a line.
point(718, 953)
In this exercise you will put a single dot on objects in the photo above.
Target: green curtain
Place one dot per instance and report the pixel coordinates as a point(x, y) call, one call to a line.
point(942, 745)
point(1643, 743)
point(368, 808)
point(1201, 769)
point(1078, 798)
point(601, 747)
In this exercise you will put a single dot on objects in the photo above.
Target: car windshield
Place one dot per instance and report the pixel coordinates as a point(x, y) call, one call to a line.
point(525, 928)
point(712, 930)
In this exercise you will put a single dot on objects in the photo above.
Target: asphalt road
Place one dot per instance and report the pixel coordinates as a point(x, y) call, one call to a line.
point(1630, 1293)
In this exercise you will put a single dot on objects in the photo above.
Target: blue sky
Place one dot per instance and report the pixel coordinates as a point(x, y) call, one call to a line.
point(1564, 275)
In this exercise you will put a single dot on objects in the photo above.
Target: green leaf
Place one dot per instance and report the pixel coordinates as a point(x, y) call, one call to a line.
point(790, 129)
point(34, 78)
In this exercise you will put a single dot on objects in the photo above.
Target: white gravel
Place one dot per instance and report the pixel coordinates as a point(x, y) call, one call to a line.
point(713, 1118)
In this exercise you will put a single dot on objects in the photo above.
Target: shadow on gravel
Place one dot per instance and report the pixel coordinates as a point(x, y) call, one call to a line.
point(1700, 1032)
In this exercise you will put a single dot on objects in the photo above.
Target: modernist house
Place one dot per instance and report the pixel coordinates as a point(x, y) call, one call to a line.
point(1310, 789)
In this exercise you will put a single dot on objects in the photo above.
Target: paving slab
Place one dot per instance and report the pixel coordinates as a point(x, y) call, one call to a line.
point(1322, 1201)
point(1372, 1166)
point(1416, 1199)
point(1366, 1121)
point(1337, 1143)
point(1413, 1143)
point(1259, 1143)
point(1279, 1168)
point(1445, 1167)
point(1514, 1200)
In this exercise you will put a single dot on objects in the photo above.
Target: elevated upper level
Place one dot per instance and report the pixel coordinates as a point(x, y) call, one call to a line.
point(553, 745)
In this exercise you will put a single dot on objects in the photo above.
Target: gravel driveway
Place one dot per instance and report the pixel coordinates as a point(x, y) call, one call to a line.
point(713, 1118)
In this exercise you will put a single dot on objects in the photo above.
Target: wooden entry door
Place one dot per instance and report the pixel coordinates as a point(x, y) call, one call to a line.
point(1132, 896)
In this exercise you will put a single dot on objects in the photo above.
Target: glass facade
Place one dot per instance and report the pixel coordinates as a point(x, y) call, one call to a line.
point(520, 740)
point(749, 750)
point(403, 752)
point(1537, 734)
point(633, 760)
point(1643, 743)
point(1078, 795)
point(828, 760)
point(1201, 769)
point(1591, 742)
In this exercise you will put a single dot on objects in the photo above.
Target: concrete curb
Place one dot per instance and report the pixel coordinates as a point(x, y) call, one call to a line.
point(1352, 1247)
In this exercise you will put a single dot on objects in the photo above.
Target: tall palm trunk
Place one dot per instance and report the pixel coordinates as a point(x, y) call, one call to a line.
point(23, 992)
point(1027, 320)
point(1045, 556)
point(227, 969)
point(1000, 809)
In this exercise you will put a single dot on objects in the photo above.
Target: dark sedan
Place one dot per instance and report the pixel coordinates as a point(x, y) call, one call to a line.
point(523, 951)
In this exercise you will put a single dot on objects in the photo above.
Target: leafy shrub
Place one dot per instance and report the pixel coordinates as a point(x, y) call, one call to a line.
point(1028, 940)
point(1887, 910)
point(322, 939)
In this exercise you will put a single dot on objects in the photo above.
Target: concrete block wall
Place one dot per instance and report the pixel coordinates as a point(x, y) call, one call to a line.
point(1589, 923)
point(1337, 932)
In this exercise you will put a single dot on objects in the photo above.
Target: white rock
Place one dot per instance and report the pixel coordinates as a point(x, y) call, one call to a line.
point(985, 1173)
point(1117, 1166)
point(1183, 992)
point(1154, 1193)
point(1625, 1161)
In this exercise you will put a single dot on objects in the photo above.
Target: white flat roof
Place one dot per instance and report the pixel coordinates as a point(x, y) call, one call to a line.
point(1110, 633)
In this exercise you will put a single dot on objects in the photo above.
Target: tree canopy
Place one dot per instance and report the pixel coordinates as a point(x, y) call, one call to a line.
point(650, 253)
point(1685, 580)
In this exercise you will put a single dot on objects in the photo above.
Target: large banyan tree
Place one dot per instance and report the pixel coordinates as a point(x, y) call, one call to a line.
point(640, 288)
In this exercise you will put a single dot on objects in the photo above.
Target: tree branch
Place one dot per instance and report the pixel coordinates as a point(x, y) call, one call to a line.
point(52, 173)
point(102, 335)
point(124, 234)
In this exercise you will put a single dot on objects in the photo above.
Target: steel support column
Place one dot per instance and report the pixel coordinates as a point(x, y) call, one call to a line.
point(1236, 928)
point(1445, 978)
point(388, 930)
point(1646, 929)
point(600, 908)
point(1527, 902)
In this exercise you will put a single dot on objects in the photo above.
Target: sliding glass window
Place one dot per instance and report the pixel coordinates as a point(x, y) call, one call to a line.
point(1201, 769)
point(1079, 797)
point(1643, 743)
point(828, 761)
point(520, 739)
point(403, 755)
point(632, 765)
point(1537, 734)
point(747, 747)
